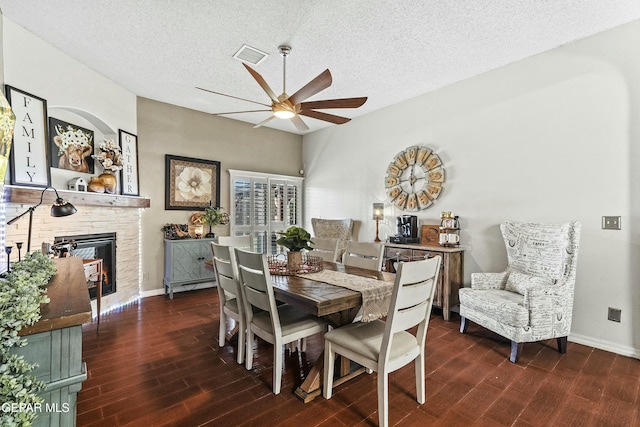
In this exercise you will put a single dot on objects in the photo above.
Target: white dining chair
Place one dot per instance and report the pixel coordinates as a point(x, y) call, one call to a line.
point(327, 249)
point(278, 325)
point(242, 242)
point(364, 255)
point(231, 295)
point(385, 347)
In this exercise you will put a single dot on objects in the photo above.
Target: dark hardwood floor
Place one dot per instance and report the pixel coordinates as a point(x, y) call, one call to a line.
point(157, 363)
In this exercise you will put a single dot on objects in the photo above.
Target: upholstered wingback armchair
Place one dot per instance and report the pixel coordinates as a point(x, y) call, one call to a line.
point(533, 299)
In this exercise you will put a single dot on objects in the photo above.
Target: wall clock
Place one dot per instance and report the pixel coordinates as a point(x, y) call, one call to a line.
point(414, 178)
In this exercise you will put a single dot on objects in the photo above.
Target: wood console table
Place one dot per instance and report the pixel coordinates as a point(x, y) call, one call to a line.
point(451, 274)
point(55, 343)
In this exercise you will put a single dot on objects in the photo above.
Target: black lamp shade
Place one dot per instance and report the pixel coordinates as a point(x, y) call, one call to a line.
point(62, 208)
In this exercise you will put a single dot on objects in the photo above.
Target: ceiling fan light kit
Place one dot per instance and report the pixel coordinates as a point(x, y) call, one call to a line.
point(292, 107)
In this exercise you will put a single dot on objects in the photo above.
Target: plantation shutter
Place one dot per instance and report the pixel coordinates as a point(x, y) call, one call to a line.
point(262, 205)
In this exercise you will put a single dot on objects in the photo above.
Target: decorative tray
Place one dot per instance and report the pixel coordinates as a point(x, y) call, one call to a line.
point(279, 267)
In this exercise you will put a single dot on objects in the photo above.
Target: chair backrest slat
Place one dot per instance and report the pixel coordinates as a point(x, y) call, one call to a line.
point(364, 255)
point(327, 249)
point(226, 273)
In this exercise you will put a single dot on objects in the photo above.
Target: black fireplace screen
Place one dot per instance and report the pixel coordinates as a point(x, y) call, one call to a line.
point(93, 246)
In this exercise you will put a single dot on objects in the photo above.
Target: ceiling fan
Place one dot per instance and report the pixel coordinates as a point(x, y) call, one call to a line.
point(293, 106)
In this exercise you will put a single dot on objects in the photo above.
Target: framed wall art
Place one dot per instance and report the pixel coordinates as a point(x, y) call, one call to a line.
point(28, 156)
point(71, 146)
point(129, 176)
point(191, 184)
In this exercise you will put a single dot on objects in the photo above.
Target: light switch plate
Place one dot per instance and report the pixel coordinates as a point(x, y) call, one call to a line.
point(611, 223)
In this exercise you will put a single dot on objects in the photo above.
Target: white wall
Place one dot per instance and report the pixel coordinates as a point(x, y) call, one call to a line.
point(36, 67)
point(551, 139)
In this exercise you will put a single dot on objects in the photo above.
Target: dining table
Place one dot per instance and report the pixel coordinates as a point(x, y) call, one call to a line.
point(336, 304)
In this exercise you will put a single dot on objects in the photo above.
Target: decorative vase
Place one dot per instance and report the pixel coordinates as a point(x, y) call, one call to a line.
point(210, 234)
point(109, 181)
point(294, 260)
point(95, 185)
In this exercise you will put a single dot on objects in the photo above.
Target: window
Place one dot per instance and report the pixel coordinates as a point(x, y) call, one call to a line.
point(263, 204)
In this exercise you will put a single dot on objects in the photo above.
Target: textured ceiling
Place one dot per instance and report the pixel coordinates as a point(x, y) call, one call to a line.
point(387, 50)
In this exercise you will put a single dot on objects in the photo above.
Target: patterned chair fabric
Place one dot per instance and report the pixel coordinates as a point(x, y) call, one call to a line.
point(533, 299)
point(340, 229)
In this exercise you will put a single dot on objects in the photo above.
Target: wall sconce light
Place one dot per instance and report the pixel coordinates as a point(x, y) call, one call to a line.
point(378, 214)
point(59, 208)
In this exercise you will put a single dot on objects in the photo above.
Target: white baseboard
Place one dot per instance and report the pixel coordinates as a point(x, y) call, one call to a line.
point(605, 345)
point(182, 288)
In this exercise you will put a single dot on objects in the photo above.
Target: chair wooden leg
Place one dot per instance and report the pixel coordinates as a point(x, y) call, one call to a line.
point(562, 344)
point(249, 358)
point(242, 341)
point(277, 366)
point(222, 332)
point(383, 399)
point(420, 378)
point(464, 324)
point(516, 348)
point(329, 359)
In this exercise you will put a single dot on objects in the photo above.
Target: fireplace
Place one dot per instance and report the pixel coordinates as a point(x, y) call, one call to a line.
point(92, 246)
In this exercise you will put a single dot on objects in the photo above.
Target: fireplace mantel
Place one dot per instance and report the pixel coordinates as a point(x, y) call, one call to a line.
point(31, 196)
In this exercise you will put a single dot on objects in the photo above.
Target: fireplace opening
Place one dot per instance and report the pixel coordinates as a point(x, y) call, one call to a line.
point(92, 246)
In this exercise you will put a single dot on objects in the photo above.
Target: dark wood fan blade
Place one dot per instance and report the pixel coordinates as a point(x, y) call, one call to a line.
point(263, 84)
point(265, 121)
point(238, 112)
point(300, 125)
point(324, 116)
point(334, 103)
point(234, 97)
point(316, 85)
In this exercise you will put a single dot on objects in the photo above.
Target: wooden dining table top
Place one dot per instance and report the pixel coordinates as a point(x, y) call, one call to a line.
point(323, 299)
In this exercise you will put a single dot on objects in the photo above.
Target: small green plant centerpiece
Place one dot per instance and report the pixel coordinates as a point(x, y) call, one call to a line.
point(214, 216)
point(295, 239)
point(21, 294)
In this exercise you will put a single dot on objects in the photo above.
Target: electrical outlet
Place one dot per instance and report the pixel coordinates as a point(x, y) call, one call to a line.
point(614, 314)
point(611, 223)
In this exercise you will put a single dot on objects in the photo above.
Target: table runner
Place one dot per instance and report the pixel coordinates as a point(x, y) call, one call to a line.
point(376, 294)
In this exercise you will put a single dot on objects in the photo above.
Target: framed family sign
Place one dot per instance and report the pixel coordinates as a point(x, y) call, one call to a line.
point(191, 184)
point(29, 162)
point(129, 176)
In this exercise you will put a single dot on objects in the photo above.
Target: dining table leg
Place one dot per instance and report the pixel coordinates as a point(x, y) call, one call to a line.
point(311, 387)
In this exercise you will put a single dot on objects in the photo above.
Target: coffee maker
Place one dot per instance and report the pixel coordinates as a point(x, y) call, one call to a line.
point(407, 230)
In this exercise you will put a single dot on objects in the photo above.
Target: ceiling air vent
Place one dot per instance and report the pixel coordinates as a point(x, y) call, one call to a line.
point(250, 54)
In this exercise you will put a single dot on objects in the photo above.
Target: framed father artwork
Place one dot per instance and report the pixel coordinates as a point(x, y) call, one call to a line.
point(191, 184)
point(129, 176)
point(71, 146)
point(28, 157)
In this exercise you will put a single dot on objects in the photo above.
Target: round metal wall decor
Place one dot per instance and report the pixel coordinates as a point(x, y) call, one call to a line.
point(414, 178)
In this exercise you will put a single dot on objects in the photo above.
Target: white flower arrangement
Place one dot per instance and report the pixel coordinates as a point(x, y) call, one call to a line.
point(109, 155)
point(72, 137)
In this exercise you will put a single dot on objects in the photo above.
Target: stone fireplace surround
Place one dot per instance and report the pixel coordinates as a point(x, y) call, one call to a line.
point(97, 213)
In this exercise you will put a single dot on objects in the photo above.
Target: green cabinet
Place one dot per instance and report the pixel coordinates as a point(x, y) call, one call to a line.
point(184, 263)
point(58, 354)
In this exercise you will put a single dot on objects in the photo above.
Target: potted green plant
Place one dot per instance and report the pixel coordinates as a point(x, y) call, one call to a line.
point(295, 239)
point(214, 216)
point(21, 294)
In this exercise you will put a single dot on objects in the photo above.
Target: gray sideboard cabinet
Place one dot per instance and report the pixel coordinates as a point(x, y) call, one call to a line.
point(184, 263)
